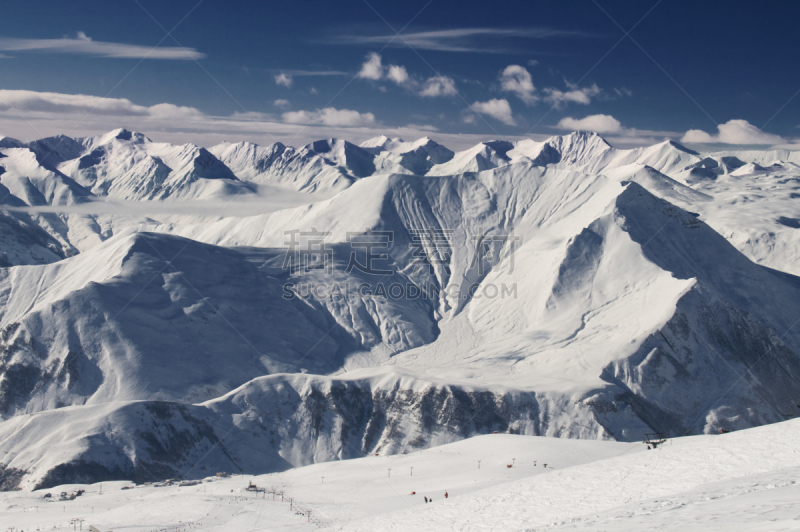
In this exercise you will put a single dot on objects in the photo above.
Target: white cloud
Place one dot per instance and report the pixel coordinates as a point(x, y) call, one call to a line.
point(613, 130)
point(45, 103)
point(84, 45)
point(438, 86)
point(498, 109)
point(284, 79)
point(596, 123)
point(459, 40)
point(280, 102)
point(398, 74)
point(330, 116)
point(560, 98)
point(435, 86)
point(372, 68)
point(518, 80)
point(168, 110)
point(314, 73)
point(250, 116)
point(733, 132)
point(422, 127)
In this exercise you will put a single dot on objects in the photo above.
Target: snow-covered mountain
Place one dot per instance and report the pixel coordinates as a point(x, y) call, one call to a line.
point(560, 287)
point(127, 165)
point(304, 169)
point(398, 156)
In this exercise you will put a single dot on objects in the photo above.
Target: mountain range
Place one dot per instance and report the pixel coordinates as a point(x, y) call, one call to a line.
point(152, 326)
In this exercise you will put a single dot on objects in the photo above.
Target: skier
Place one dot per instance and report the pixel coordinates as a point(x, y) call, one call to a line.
point(445, 494)
point(426, 500)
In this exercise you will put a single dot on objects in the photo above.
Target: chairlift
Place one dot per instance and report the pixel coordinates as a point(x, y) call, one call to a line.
point(654, 439)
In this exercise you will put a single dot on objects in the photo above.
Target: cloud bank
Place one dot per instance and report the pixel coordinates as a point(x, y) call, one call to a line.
point(330, 116)
point(53, 103)
point(596, 123)
point(733, 132)
point(36, 115)
point(30, 115)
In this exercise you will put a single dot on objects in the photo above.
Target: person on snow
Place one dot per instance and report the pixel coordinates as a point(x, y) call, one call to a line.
point(445, 494)
point(426, 500)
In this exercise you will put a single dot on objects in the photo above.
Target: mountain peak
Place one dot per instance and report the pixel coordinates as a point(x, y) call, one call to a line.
point(679, 146)
point(125, 134)
point(586, 137)
point(119, 134)
point(122, 134)
point(378, 142)
point(8, 142)
point(357, 160)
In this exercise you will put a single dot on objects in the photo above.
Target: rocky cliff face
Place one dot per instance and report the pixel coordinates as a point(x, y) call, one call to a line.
point(270, 424)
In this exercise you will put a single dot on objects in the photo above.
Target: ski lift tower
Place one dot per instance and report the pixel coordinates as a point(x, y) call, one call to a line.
point(654, 439)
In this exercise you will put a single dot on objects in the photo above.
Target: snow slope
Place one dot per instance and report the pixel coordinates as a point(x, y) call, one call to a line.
point(32, 184)
point(739, 481)
point(148, 317)
point(686, 485)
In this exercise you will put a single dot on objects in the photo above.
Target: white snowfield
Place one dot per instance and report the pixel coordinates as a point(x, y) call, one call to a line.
point(736, 481)
point(740, 481)
point(150, 327)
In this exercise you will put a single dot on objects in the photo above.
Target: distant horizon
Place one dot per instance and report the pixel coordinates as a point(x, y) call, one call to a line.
point(458, 142)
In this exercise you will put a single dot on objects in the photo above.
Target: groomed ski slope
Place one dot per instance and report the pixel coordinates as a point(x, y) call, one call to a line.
point(738, 481)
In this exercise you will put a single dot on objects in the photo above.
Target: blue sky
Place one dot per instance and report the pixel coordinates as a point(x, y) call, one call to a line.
point(459, 71)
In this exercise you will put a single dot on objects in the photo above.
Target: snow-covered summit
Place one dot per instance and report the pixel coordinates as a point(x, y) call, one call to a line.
point(342, 153)
point(397, 156)
point(121, 134)
point(381, 141)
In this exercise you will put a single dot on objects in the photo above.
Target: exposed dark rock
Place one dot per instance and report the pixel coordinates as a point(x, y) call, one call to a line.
point(10, 478)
